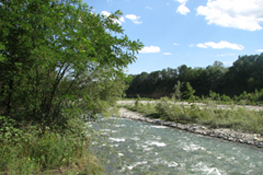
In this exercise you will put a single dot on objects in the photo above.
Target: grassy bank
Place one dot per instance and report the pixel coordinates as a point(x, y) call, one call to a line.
point(240, 119)
point(35, 150)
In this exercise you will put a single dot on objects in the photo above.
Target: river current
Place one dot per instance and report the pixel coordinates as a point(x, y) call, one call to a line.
point(128, 147)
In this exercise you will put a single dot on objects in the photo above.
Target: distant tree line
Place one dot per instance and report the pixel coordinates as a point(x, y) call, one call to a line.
point(244, 76)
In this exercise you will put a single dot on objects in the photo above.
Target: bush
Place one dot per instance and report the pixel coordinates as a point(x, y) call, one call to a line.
point(236, 118)
point(178, 113)
point(33, 150)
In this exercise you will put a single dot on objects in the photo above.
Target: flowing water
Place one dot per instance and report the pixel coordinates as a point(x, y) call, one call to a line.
point(133, 147)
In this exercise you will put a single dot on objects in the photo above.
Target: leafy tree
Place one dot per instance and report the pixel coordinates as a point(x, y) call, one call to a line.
point(54, 54)
point(188, 92)
point(245, 75)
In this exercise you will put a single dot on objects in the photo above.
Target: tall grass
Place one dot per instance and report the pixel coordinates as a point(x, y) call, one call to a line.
point(238, 119)
point(235, 118)
point(32, 150)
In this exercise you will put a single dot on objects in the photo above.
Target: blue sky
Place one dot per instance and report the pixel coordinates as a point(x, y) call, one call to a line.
point(191, 32)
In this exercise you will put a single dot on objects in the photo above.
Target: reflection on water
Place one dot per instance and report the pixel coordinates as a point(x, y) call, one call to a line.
point(134, 147)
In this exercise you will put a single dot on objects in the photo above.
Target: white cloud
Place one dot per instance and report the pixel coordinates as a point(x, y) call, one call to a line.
point(148, 7)
point(201, 45)
point(175, 44)
point(122, 19)
point(151, 49)
point(241, 14)
point(221, 45)
point(182, 9)
point(259, 50)
point(107, 14)
point(182, 1)
point(167, 53)
point(191, 45)
point(134, 18)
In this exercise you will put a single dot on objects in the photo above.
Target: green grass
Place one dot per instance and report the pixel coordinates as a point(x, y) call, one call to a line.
point(32, 150)
point(238, 119)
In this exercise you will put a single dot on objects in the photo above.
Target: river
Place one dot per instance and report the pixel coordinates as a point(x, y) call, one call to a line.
point(128, 147)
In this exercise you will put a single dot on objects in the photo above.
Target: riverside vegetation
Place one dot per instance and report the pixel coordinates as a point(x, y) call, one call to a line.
point(238, 84)
point(240, 118)
point(59, 66)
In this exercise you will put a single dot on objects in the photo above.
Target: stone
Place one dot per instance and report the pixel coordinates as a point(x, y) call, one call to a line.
point(241, 141)
point(230, 139)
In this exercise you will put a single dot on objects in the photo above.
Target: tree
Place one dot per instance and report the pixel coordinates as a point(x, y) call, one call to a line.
point(189, 92)
point(218, 64)
point(51, 52)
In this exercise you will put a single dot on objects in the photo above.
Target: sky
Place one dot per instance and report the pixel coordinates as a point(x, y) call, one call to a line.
point(192, 32)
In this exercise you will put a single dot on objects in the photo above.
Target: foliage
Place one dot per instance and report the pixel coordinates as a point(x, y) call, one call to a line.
point(178, 113)
point(214, 96)
point(188, 92)
point(245, 75)
point(148, 109)
point(52, 53)
point(31, 150)
point(235, 118)
point(177, 90)
point(156, 82)
point(136, 103)
point(57, 60)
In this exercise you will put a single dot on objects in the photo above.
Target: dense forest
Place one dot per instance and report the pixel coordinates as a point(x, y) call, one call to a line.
point(244, 76)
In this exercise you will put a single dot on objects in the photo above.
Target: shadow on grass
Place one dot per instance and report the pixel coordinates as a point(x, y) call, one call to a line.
point(153, 115)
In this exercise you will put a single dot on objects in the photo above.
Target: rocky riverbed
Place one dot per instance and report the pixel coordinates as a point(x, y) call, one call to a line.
point(222, 133)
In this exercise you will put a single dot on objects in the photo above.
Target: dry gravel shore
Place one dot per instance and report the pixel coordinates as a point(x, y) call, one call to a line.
point(222, 133)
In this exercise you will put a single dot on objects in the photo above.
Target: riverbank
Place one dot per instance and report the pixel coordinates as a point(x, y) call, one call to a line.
point(222, 133)
point(201, 105)
point(39, 150)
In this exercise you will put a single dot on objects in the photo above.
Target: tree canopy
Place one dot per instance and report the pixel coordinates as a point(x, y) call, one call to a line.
point(57, 57)
point(246, 74)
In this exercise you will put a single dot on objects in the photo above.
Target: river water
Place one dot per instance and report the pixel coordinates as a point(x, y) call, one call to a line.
point(129, 147)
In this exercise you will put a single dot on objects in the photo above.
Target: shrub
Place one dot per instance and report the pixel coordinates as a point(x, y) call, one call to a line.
point(235, 118)
point(34, 150)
